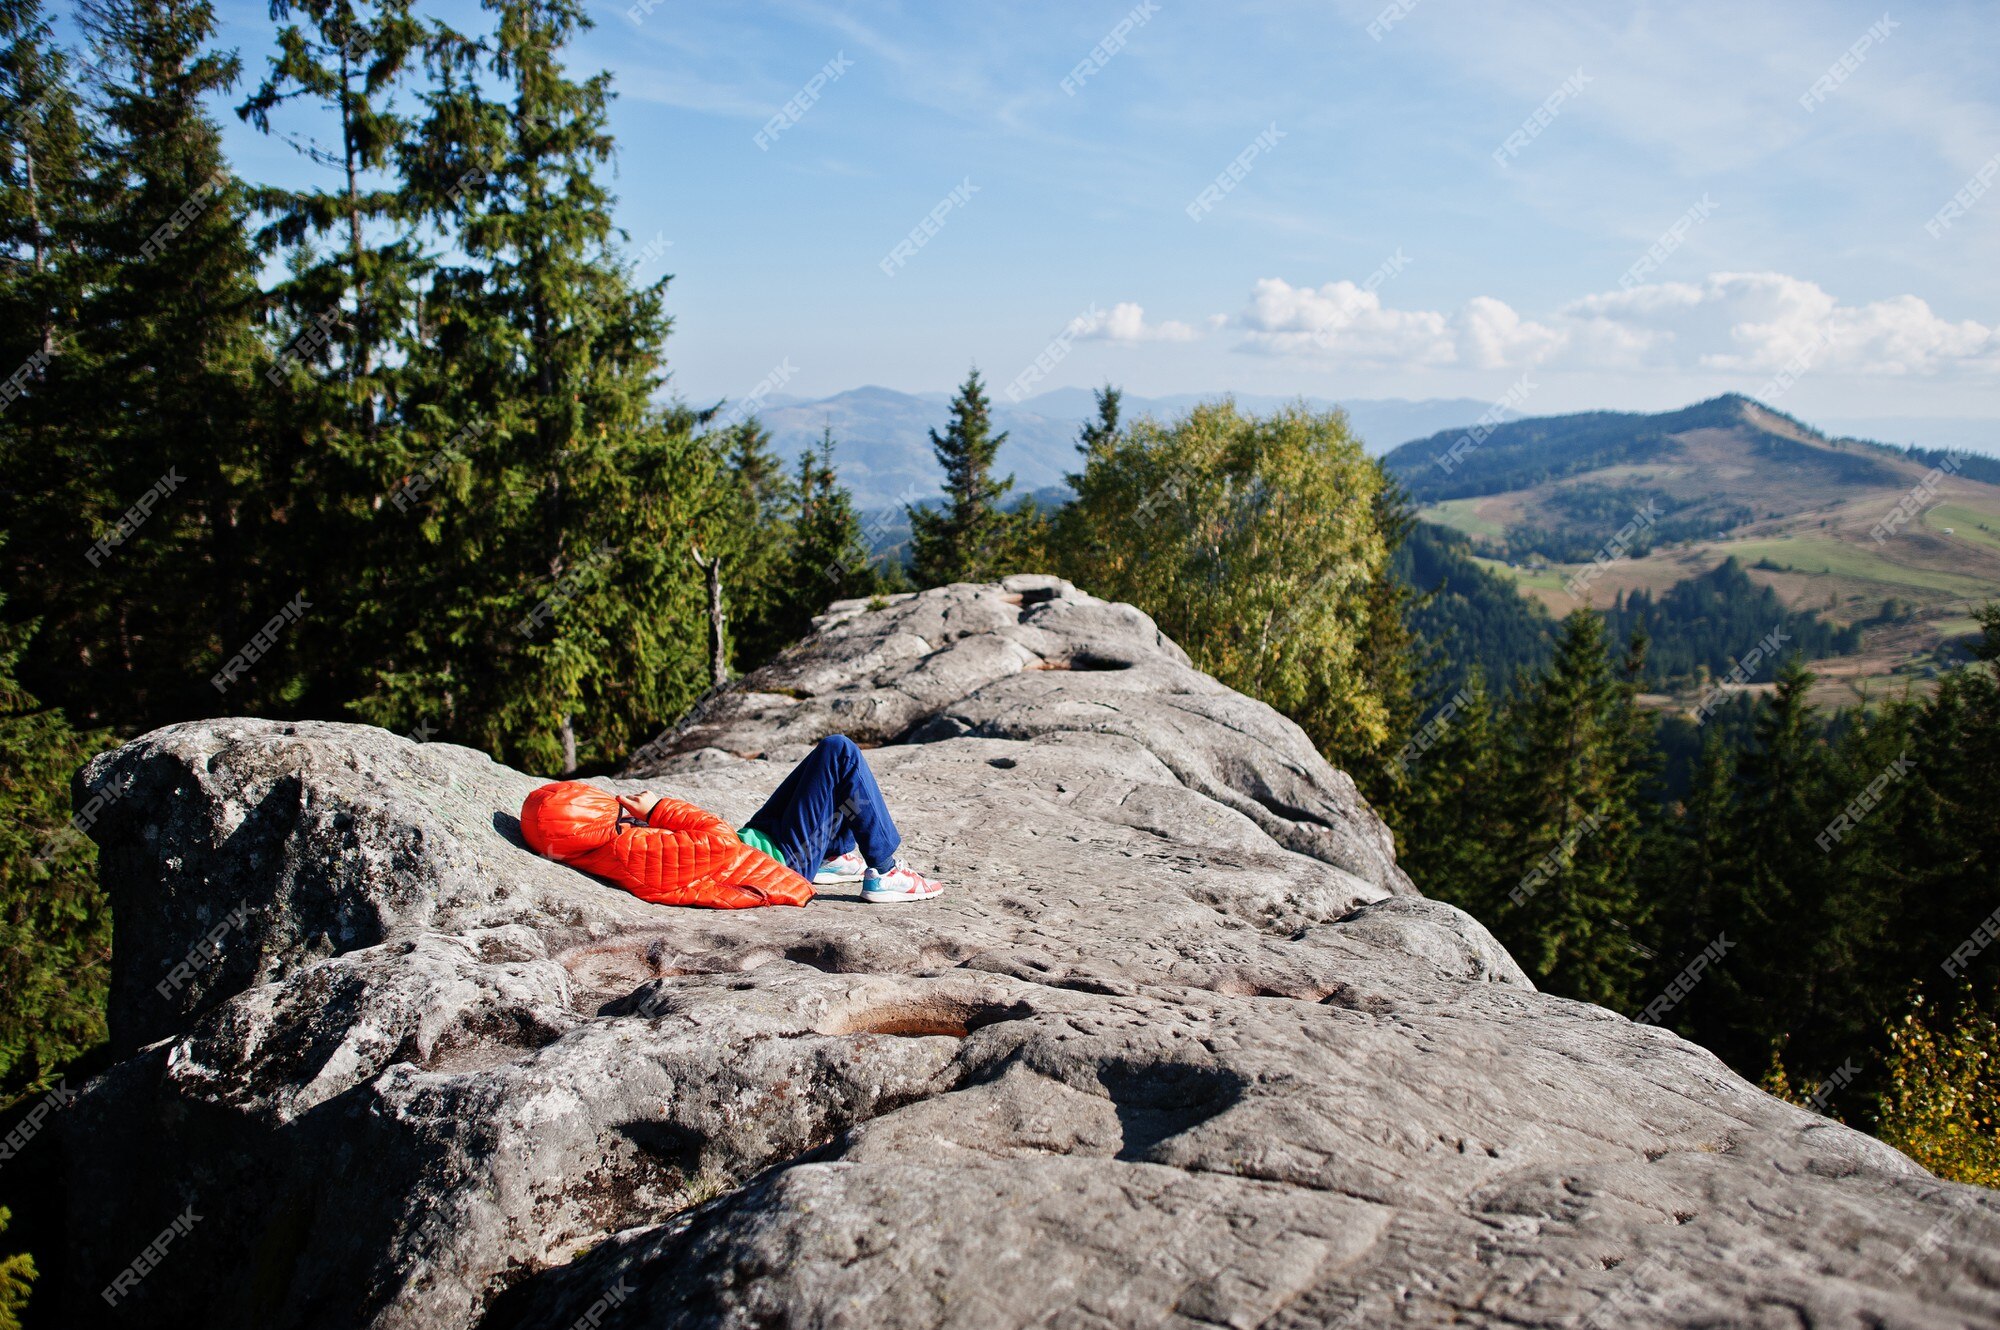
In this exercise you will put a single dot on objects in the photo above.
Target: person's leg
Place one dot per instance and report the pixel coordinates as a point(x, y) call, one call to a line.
point(829, 802)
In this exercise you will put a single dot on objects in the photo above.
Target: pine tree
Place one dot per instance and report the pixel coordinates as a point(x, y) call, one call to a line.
point(1451, 823)
point(1575, 916)
point(1073, 540)
point(1696, 854)
point(970, 539)
point(55, 924)
point(1772, 902)
point(345, 312)
point(828, 560)
point(143, 551)
point(44, 154)
point(759, 506)
point(43, 158)
point(1389, 657)
point(1099, 435)
point(555, 618)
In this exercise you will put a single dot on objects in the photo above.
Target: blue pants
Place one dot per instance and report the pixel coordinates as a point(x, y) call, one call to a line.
point(828, 804)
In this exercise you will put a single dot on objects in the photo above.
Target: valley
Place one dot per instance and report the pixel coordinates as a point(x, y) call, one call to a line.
point(1801, 513)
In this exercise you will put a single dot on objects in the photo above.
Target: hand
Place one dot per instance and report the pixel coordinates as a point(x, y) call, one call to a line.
point(639, 805)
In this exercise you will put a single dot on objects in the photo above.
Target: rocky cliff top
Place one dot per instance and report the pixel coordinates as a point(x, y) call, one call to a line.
point(1180, 1045)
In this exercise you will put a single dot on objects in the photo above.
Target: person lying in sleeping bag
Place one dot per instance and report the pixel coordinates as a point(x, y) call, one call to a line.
point(828, 813)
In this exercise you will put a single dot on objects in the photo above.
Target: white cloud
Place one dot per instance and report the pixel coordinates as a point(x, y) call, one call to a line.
point(1490, 335)
point(1757, 322)
point(1751, 323)
point(1127, 323)
point(1349, 323)
point(1340, 321)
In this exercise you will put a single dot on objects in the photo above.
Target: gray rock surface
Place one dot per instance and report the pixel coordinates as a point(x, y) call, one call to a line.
point(1029, 659)
point(1180, 1045)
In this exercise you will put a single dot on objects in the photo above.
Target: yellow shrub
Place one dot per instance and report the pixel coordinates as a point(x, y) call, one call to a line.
point(15, 1273)
point(1777, 1081)
point(1943, 1104)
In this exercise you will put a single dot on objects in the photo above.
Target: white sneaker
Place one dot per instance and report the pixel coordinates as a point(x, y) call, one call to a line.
point(849, 867)
point(898, 884)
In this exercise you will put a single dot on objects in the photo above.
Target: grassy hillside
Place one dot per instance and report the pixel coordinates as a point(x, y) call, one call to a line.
point(1649, 502)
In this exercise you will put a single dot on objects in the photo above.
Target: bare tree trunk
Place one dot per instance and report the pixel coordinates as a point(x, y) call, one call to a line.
point(569, 744)
point(718, 622)
point(41, 250)
point(361, 363)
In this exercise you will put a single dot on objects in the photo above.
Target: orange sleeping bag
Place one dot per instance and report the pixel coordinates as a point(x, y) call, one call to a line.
point(680, 855)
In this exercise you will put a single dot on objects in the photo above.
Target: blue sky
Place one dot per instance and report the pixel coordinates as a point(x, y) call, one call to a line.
point(1385, 239)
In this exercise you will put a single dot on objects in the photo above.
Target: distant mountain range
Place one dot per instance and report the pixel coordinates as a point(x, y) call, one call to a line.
point(1539, 498)
point(883, 444)
point(1521, 453)
point(885, 457)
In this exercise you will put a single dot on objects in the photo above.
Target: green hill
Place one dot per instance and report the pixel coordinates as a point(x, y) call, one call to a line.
point(1600, 507)
point(1470, 614)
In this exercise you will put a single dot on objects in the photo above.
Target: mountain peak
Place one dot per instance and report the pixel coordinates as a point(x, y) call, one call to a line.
point(1727, 411)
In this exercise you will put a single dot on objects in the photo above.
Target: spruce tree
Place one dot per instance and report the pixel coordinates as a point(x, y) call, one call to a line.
point(44, 147)
point(1100, 434)
point(970, 539)
point(145, 550)
point(1575, 916)
point(343, 314)
point(44, 155)
point(1451, 823)
point(1389, 657)
point(757, 504)
point(1922, 869)
point(348, 60)
point(829, 558)
point(1074, 540)
point(556, 617)
point(1772, 904)
point(1946, 839)
point(1696, 855)
point(55, 924)
point(1868, 884)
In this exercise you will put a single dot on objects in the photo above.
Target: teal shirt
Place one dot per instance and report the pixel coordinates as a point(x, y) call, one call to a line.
point(758, 841)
